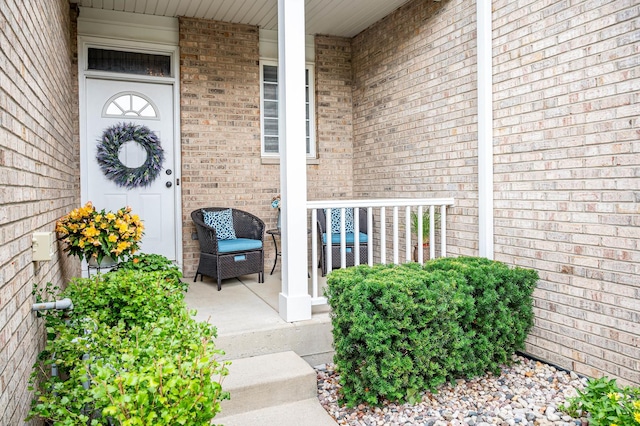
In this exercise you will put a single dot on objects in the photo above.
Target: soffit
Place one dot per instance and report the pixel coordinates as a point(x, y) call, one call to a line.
point(344, 18)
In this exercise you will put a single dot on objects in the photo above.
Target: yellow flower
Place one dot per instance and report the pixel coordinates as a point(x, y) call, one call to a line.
point(636, 405)
point(122, 226)
point(613, 396)
point(91, 232)
point(636, 414)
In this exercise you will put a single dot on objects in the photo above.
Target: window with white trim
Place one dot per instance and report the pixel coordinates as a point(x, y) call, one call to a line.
point(269, 113)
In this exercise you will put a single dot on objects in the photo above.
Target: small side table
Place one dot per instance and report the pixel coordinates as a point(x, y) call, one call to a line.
point(273, 233)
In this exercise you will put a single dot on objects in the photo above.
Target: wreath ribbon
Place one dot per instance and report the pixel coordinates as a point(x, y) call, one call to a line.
point(109, 147)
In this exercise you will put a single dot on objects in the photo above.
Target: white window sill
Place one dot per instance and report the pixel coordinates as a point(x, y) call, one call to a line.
point(276, 160)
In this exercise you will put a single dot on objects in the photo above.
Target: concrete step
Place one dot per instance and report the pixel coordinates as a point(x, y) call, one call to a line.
point(307, 412)
point(267, 381)
point(311, 339)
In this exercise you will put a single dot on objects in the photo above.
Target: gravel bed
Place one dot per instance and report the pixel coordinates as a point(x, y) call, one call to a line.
point(527, 393)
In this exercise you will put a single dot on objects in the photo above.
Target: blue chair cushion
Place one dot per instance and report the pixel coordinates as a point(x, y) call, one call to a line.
point(238, 244)
point(222, 222)
point(350, 238)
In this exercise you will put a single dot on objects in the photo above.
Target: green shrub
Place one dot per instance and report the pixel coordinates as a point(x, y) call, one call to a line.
point(606, 404)
point(400, 330)
point(129, 353)
point(153, 263)
point(502, 313)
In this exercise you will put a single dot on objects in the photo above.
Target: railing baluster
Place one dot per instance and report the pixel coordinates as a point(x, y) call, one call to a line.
point(443, 231)
point(407, 233)
point(329, 237)
point(432, 232)
point(394, 224)
point(420, 239)
point(356, 236)
point(383, 236)
point(343, 242)
point(314, 252)
point(370, 235)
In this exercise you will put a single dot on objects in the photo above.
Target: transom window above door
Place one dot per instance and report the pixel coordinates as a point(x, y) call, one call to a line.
point(121, 61)
point(130, 105)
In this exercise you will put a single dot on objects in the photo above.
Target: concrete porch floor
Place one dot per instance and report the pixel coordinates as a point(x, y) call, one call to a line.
point(245, 312)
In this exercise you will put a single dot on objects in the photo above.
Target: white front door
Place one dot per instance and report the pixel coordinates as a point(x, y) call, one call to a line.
point(110, 102)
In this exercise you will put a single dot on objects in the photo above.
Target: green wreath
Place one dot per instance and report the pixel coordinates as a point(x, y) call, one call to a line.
point(109, 147)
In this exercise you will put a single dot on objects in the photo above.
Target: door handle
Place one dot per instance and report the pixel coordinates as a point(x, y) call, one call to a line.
point(168, 184)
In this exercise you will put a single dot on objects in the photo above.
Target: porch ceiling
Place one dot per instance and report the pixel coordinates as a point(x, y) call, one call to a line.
point(344, 18)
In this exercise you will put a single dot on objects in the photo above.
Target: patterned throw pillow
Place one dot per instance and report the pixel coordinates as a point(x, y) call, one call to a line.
point(222, 222)
point(335, 220)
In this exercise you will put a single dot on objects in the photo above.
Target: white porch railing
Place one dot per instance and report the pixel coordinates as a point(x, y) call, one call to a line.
point(377, 234)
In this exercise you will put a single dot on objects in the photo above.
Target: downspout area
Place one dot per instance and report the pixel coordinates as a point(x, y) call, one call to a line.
point(60, 305)
point(485, 129)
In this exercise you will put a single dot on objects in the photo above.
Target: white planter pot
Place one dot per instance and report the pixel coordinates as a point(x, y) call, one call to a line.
point(107, 262)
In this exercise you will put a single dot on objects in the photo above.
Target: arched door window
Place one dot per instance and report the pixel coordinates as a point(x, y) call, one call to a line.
point(130, 104)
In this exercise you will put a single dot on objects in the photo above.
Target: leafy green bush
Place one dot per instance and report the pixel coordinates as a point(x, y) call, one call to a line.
point(153, 263)
point(126, 295)
point(400, 330)
point(129, 353)
point(606, 404)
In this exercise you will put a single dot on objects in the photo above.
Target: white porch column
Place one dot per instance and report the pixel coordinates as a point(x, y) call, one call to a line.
point(485, 129)
point(294, 300)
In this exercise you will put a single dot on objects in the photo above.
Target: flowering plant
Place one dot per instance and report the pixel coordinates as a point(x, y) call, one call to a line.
point(275, 202)
point(604, 403)
point(92, 234)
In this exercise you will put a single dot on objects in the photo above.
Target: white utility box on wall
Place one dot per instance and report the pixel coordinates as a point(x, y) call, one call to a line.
point(42, 243)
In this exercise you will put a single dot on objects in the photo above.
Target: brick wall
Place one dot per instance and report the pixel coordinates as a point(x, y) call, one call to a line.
point(220, 121)
point(566, 154)
point(567, 175)
point(332, 177)
point(414, 111)
point(39, 174)
point(415, 114)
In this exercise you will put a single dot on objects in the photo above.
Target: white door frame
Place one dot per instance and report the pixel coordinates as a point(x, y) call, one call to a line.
point(84, 42)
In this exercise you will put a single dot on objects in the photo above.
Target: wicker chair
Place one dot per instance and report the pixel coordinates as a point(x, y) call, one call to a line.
point(350, 241)
point(222, 259)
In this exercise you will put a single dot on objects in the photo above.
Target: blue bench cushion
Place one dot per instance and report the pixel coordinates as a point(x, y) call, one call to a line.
point(238, 244)
point(349, 236)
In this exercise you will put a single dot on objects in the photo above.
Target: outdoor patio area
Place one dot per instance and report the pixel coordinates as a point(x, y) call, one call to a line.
point(245, 313)
point(355, 132)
